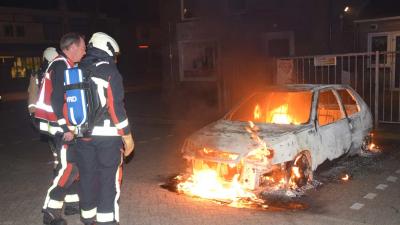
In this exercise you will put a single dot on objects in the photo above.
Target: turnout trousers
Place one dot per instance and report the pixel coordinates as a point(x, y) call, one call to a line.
point(99, 161)
point(64, 187)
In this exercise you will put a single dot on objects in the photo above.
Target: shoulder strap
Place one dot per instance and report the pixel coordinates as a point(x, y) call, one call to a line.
point(58, 59)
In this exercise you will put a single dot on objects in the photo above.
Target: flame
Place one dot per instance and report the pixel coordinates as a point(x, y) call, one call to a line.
point(280, 115)
point(207, 184)
point(345, 177)
point(257, 112)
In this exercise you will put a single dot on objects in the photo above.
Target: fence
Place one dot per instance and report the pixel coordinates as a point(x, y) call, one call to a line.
point(374, 75)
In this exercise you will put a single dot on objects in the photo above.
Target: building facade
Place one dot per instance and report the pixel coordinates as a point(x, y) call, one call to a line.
point(220, 51)
point(25, 33)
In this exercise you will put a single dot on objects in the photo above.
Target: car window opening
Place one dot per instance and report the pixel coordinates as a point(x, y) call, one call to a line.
point(277, 107)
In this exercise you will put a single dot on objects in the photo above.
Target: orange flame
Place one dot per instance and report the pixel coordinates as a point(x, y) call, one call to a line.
point(207, 184)
point(346, 177)
point(257, 112)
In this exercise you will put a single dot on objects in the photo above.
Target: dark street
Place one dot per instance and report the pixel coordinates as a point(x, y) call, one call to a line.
point(371, 196)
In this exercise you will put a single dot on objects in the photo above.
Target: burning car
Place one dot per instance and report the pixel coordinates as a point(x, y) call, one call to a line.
point(280, 136)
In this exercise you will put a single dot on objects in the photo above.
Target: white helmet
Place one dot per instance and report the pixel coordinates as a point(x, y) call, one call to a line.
point(104, 42)
point(50, 53)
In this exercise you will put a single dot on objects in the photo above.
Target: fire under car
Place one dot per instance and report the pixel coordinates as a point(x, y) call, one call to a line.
point(281, 135)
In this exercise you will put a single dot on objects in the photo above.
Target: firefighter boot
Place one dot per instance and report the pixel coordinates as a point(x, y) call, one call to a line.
point(53, 217)
point(71, 209)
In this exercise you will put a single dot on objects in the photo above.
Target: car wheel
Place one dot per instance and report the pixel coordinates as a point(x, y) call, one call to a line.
point(304, 169)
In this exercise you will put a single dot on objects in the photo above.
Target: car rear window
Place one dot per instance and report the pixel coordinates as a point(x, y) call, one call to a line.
point(279, 107)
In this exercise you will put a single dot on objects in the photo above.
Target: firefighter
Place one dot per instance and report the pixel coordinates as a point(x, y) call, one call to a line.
point(49, 54)
point(50, 112)
point(99, 155)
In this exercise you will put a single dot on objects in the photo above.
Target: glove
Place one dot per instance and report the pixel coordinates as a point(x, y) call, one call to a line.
point(129, 144)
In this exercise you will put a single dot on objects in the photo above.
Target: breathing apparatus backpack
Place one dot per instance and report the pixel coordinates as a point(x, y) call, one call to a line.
point(83, 104)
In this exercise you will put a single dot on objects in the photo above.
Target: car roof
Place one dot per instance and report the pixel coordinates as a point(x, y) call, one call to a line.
point(306, 87)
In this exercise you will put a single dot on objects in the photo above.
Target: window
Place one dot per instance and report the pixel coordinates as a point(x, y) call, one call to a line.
point(279, 107)
point(24, 66)
point(349, 103)
point(279, 47)
point(8, 30)
point(198, 60)
point(328, 108)
point(20, 31)
point(379, 43)
point(189, 9)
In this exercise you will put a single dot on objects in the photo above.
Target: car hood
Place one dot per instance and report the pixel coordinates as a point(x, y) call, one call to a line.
point(231, 136)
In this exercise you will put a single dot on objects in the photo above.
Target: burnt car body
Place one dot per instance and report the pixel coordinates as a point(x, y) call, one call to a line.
point(311, 122)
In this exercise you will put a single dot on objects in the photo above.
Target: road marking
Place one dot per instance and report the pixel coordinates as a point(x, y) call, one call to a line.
point(397, 171)
point(370, 196)
point(357, 206)
point(156, 138)
point(381, 187)
point(391, 178)
point(141, 142)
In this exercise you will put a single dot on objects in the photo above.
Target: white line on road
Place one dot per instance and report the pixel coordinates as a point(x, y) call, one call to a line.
point(156, 138)
point(357, 206)
point(370, 196)
point(391, 178)
point(381, 187)
point(398, 171)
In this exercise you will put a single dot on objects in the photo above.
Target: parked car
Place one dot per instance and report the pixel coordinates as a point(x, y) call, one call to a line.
point(301, 125)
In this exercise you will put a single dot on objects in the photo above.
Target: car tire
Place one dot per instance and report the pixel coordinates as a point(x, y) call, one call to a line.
point(304, 170)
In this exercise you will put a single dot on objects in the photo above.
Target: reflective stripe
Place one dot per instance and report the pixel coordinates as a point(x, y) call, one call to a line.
point(105, 131)
point(105, 217)
point(88, 214)
point(46, 127)
point(55, 204)
point(62, 122)
point(101, 85)
point(63, 156)
point(102, 62)
point(71, 198)
point(31, 105)
point(100, 82)
point(42, 105)
point(122, 125)
point(117, 189)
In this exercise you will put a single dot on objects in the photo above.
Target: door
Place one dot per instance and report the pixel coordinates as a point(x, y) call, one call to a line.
point(333, 127)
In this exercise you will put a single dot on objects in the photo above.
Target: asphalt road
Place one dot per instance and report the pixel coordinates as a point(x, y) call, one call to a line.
point(371, 196)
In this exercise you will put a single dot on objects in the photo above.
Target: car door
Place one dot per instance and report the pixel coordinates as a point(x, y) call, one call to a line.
point(333, 127)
